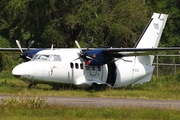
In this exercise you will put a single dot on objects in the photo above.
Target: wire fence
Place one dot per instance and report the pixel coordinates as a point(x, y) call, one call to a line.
point(166, 65)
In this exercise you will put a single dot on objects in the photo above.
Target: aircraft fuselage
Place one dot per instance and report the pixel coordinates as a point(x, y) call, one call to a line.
point(60, 67)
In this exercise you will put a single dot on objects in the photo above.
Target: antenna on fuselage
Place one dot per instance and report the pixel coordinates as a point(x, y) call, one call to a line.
point(52, 46)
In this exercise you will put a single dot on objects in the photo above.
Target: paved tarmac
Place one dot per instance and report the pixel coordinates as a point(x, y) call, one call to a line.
point(105, 102)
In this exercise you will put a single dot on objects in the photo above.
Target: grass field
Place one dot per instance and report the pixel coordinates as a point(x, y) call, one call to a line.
point(72, 113)
point(32, 108)
point(166, 87)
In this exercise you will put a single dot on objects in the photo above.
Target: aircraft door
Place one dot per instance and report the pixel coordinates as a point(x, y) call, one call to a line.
point(111, 79)
point(94, 72)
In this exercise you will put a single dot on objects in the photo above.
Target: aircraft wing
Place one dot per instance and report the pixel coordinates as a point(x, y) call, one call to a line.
point(14, 50)
point(119, 52)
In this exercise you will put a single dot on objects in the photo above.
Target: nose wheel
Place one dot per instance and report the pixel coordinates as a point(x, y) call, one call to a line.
point(32, 85)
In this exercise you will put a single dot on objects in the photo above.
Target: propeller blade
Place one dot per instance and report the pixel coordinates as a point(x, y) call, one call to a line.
point(83, 54)
point(30, 44)
point(90, 58)
point(18, 44)
point(28, 57)
point(78, 46)
point(90, 44)
point(76, 59)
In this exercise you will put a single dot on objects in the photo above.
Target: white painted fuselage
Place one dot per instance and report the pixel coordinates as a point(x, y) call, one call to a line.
point(67, 70)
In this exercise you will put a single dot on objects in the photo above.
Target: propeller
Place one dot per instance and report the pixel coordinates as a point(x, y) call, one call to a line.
point(84, 54)
point(24, 55)
point(19, 45)
point(30, 44)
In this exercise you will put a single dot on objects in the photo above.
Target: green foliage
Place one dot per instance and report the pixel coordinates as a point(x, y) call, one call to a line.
point(114, 23)
point(62, 22)
point(7, 61)
point(4, 42)
point(178, 77)
point(172, 31)
point(110, 23)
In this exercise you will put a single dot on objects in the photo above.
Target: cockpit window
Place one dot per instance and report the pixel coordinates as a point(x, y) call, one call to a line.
point(55, 58)
point(47, 57)
point(35, 57)
point(41, 57)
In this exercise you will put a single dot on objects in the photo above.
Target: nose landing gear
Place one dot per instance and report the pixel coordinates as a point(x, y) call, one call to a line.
point(32, 85)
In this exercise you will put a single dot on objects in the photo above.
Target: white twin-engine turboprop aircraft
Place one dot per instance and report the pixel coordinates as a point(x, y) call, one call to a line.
point(97, 67)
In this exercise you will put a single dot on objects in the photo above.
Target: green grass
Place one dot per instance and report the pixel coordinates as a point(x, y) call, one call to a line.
point(166, 87)
point(158, 88)
point(63, 113)
point(36, 108)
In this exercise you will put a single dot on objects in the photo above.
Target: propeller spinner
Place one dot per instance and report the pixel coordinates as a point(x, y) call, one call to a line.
point(84, 55)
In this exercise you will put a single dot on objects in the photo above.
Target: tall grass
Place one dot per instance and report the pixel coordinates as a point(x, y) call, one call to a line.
point(20, 102)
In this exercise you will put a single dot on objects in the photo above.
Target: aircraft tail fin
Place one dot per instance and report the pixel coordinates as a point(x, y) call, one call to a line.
point(151, 35)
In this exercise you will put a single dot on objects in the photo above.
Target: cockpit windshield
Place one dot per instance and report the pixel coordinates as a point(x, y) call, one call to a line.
point(47, 57)
point(55, 58)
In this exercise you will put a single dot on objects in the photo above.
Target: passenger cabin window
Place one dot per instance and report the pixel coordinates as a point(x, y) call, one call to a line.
point(72, 65)
point(76, 65)
point(81, 66)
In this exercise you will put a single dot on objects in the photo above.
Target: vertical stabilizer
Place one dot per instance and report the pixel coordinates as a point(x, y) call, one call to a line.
point(151, 35)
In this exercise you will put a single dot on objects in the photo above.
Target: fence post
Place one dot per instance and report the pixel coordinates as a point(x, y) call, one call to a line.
point(157, 65)
point(174, 67)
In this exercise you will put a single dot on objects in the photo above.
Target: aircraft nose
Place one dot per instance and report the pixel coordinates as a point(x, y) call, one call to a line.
point(17, 76)
point(18, 71)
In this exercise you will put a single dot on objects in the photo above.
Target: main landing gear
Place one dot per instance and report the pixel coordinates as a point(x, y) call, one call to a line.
point(99, 87)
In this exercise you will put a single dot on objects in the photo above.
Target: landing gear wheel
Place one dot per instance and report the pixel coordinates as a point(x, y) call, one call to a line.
point(32, 85)
point(94, 86)
point(97, 87)
point(55, 87)
point(102, 87)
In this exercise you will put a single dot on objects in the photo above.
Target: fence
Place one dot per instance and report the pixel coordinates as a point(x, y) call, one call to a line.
point(169, 64)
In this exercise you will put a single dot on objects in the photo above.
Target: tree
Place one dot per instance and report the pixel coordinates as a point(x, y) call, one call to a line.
point(171, 34)
point(109, 22)
point(112, 23)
